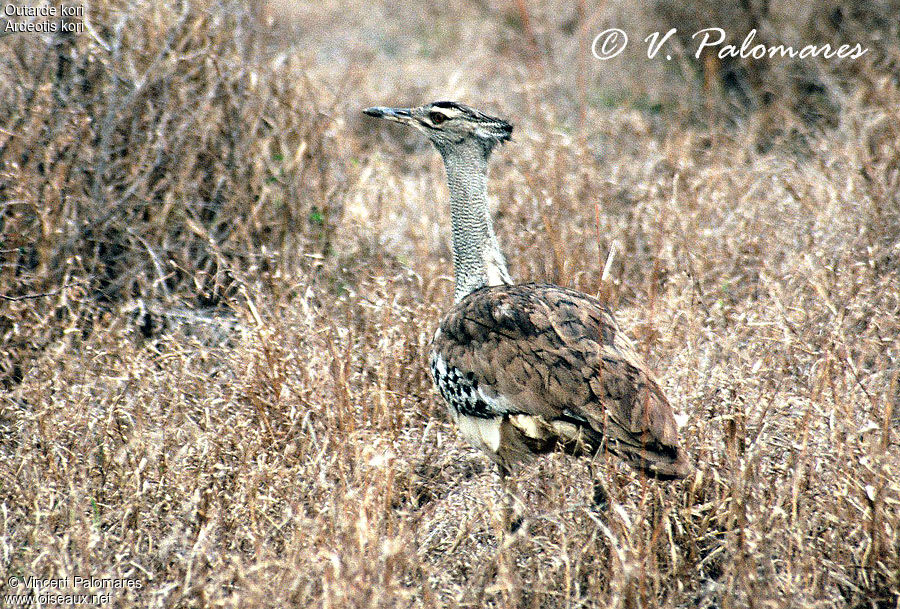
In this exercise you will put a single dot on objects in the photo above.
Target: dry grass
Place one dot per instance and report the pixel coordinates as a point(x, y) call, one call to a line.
point(219, 281)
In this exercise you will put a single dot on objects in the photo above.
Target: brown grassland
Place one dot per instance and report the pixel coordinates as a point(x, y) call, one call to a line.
point(218, 281)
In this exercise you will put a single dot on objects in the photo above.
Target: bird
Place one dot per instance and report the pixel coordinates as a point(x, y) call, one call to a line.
point(530, 368)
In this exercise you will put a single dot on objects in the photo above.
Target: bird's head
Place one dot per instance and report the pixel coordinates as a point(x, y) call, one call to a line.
point(450, 124)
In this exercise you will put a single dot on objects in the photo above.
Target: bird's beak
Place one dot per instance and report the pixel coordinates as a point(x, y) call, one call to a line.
point(400, 115)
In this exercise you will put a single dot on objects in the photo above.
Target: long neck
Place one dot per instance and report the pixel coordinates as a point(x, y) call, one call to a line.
point(477, 259)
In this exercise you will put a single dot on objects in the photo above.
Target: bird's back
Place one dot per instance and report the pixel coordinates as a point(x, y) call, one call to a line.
point(527, 368)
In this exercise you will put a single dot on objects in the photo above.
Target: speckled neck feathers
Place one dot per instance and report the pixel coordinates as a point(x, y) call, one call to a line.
point(477, 259)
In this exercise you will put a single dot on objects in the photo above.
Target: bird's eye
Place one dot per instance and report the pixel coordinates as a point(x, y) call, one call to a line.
point(437, 118)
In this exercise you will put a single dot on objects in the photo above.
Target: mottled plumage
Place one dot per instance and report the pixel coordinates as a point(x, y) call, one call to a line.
point(526, 369)
point(551, 367)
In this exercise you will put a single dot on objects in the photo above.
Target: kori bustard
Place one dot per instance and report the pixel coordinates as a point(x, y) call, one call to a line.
point(526, 369)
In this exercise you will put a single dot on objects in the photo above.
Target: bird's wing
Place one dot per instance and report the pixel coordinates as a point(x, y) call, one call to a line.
point(558, 354)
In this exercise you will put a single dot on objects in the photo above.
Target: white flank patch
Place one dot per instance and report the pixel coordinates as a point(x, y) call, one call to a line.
point(566, 430)
point(527, 424)
point(481, 433)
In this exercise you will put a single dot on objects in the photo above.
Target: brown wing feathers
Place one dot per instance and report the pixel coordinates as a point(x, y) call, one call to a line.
point(552, 363)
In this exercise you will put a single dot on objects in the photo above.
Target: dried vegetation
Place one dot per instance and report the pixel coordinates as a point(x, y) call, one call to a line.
point(219, 280)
